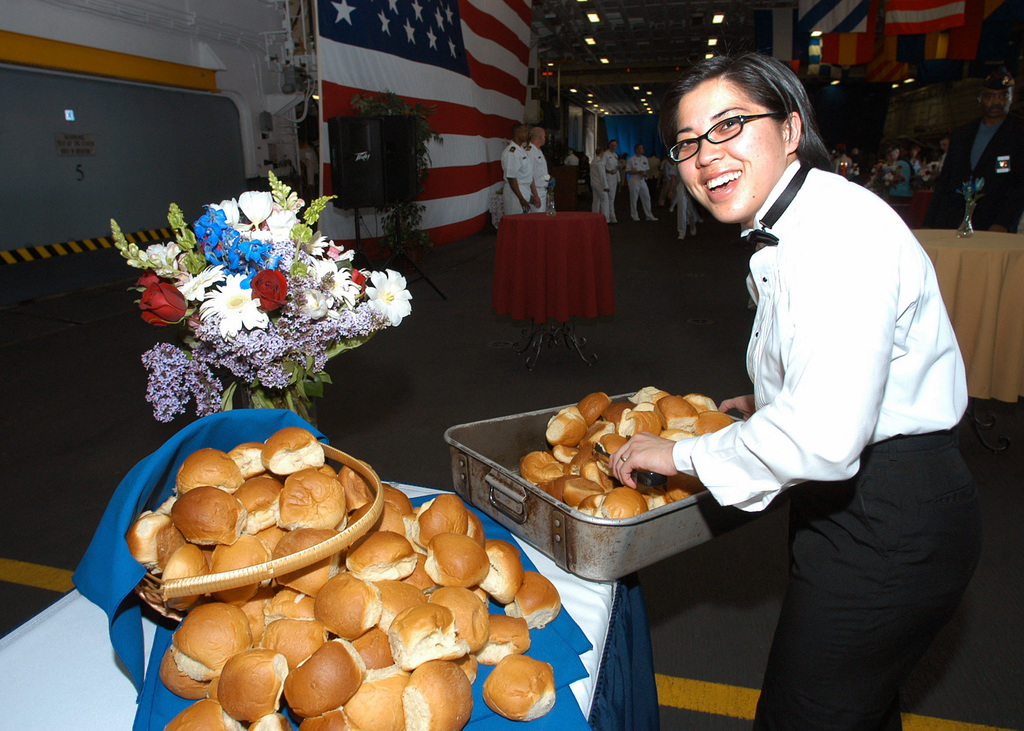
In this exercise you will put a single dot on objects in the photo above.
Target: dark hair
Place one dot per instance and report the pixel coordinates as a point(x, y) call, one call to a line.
point(769, 83)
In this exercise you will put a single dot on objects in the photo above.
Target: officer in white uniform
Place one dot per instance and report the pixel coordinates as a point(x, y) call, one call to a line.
point(599, 185)
point(611, 174)
point(538, 136)
point(637, 168)
point(517, 169)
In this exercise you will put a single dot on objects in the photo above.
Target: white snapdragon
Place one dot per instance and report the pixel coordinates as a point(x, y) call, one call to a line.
point(163, 258)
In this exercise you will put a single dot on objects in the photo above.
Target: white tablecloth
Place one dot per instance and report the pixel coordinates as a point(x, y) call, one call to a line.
point(60, 672)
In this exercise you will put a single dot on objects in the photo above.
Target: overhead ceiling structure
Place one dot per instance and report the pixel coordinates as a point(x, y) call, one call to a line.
point(622, 62)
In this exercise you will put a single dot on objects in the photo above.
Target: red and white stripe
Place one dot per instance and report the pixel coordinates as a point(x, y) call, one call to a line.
point(923, 16)
point(474, 114)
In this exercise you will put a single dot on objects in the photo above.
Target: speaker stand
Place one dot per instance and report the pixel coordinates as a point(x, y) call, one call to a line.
point(359, 260)
point(398, 253)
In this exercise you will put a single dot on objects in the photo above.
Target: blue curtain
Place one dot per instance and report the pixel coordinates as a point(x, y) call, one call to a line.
point(630, 129)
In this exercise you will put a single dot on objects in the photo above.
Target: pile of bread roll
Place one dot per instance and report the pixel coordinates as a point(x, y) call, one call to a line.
point(570, 470)
point(384, 636)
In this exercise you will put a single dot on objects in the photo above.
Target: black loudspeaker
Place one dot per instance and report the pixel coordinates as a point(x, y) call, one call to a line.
point(398, 134)
point(357, 171)
point(373, 160)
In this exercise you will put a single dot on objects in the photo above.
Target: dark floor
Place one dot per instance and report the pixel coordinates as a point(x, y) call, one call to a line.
point(75, 421)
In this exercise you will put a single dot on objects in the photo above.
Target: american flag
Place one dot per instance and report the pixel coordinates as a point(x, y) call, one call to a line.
point(466, 58)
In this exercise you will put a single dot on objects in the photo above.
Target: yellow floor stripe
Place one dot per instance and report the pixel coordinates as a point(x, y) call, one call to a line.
point(737, 702)
point(8, 257)
point(33, 574)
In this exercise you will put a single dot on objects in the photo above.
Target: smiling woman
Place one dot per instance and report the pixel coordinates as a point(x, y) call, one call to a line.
point(858, 388)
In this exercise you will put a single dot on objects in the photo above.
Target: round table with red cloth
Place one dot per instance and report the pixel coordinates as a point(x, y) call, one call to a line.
point(553, 267)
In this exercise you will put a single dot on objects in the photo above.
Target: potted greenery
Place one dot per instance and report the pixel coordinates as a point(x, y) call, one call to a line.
point(404, 218)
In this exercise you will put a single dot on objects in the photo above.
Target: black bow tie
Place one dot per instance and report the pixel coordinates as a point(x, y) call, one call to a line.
point(759, 238)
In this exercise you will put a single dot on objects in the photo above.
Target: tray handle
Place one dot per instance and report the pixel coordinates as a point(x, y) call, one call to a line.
point(510, 499)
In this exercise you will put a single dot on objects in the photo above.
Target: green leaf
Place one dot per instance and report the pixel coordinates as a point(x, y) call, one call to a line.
point(226, 401)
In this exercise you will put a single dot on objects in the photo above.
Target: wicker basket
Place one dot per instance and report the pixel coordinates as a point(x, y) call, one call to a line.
point(155, 592)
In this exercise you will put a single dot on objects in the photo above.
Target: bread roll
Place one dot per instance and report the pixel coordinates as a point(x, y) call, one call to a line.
point(296, 639)
point(597, 430)
point(207, 637)
point(456, 560)
point(249, 458)
point(419, 577)
point(357, 492)
point(476, 528)
point(677, 413)
point(444, 514)
point(593, 405)
point(271, 536)
point(259, 496)
point(251, 684)
point(712, 421)
point(254, 610)
point(648, 394)
point(472, 622)
point(308, 579)
point(613, 442)
point(682, 486)
point(246, 551)
point(292, 449)
point(540, 467)
point(330, 721)
point(374, 648)
point(509, 636)
point(187, 561)
point(655, 496)
point(469, 665)
point(622, 502)
point(311, 499)
point(438, 697)
point(348, 606)
point(390, 519)
point(422, 633)
point(207, 516)
point(325, 681)
point(563, 453)
point(505, 572)
point(210, 467)
point(590, 503)
point(142, 537)
point(676, 435)
point(566, 427)
point(537, 601)
point(635, 422)
point(168, 540)
point(613, 414)
point(394, 496)
point(178, 682)
point(701, 402)
point(271, 722)
point(204, 715)
point(288, 604)
point(520, 688)
point(377, 705)
point(575, 489)
point(382, 555)
point(395, 598)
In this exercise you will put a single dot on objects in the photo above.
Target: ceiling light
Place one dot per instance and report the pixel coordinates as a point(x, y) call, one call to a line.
point(717, 18)
point(551, 63)
point(709, 55)
point(835, 82)
point(590, 94)
point(589, 41)
point(636, 88)
point(649, 93)
point(712, 41)
point(909, 81)
point(593, 18)
point(815, 34)
point(605, 60)
point(896, 86)
point(572, 90)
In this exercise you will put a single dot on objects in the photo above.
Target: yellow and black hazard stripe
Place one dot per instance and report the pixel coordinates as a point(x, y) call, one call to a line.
point(48, 251)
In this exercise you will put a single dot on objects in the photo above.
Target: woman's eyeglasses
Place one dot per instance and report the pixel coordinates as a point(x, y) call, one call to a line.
point(721, 132)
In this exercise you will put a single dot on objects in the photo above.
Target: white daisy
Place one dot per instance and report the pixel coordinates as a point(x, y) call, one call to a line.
point(388, 293)
point(194, 287)
point(339, 281)
point(235, 307)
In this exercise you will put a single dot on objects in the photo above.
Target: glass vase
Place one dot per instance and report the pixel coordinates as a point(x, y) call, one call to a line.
point(966, 229)
point(550, 209)
point(277, 398)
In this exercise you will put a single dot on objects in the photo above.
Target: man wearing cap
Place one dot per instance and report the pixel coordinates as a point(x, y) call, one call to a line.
point(991, 148)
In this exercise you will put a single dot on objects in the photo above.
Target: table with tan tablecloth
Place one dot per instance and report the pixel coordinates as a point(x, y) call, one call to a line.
point(982, 283)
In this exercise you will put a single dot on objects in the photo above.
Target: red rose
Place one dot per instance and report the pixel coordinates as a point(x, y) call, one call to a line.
point(148, 279)
point(162, 304)
point(359, 278)
point(270, 288)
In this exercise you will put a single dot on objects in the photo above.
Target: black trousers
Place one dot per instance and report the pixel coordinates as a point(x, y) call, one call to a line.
point(878, 565)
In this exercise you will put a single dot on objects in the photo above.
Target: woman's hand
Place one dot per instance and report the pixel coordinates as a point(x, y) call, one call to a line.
point(743, 404)
point(642, 452)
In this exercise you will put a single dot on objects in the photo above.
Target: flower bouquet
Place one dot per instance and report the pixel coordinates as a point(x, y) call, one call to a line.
point(549, 184)
point(257, 297)
point(929, 173)
point(971, 191)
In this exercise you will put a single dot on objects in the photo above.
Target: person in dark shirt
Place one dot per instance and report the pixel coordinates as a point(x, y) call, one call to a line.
point(991, 148)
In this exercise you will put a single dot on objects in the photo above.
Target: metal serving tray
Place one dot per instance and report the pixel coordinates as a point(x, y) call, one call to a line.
point(485, 470)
